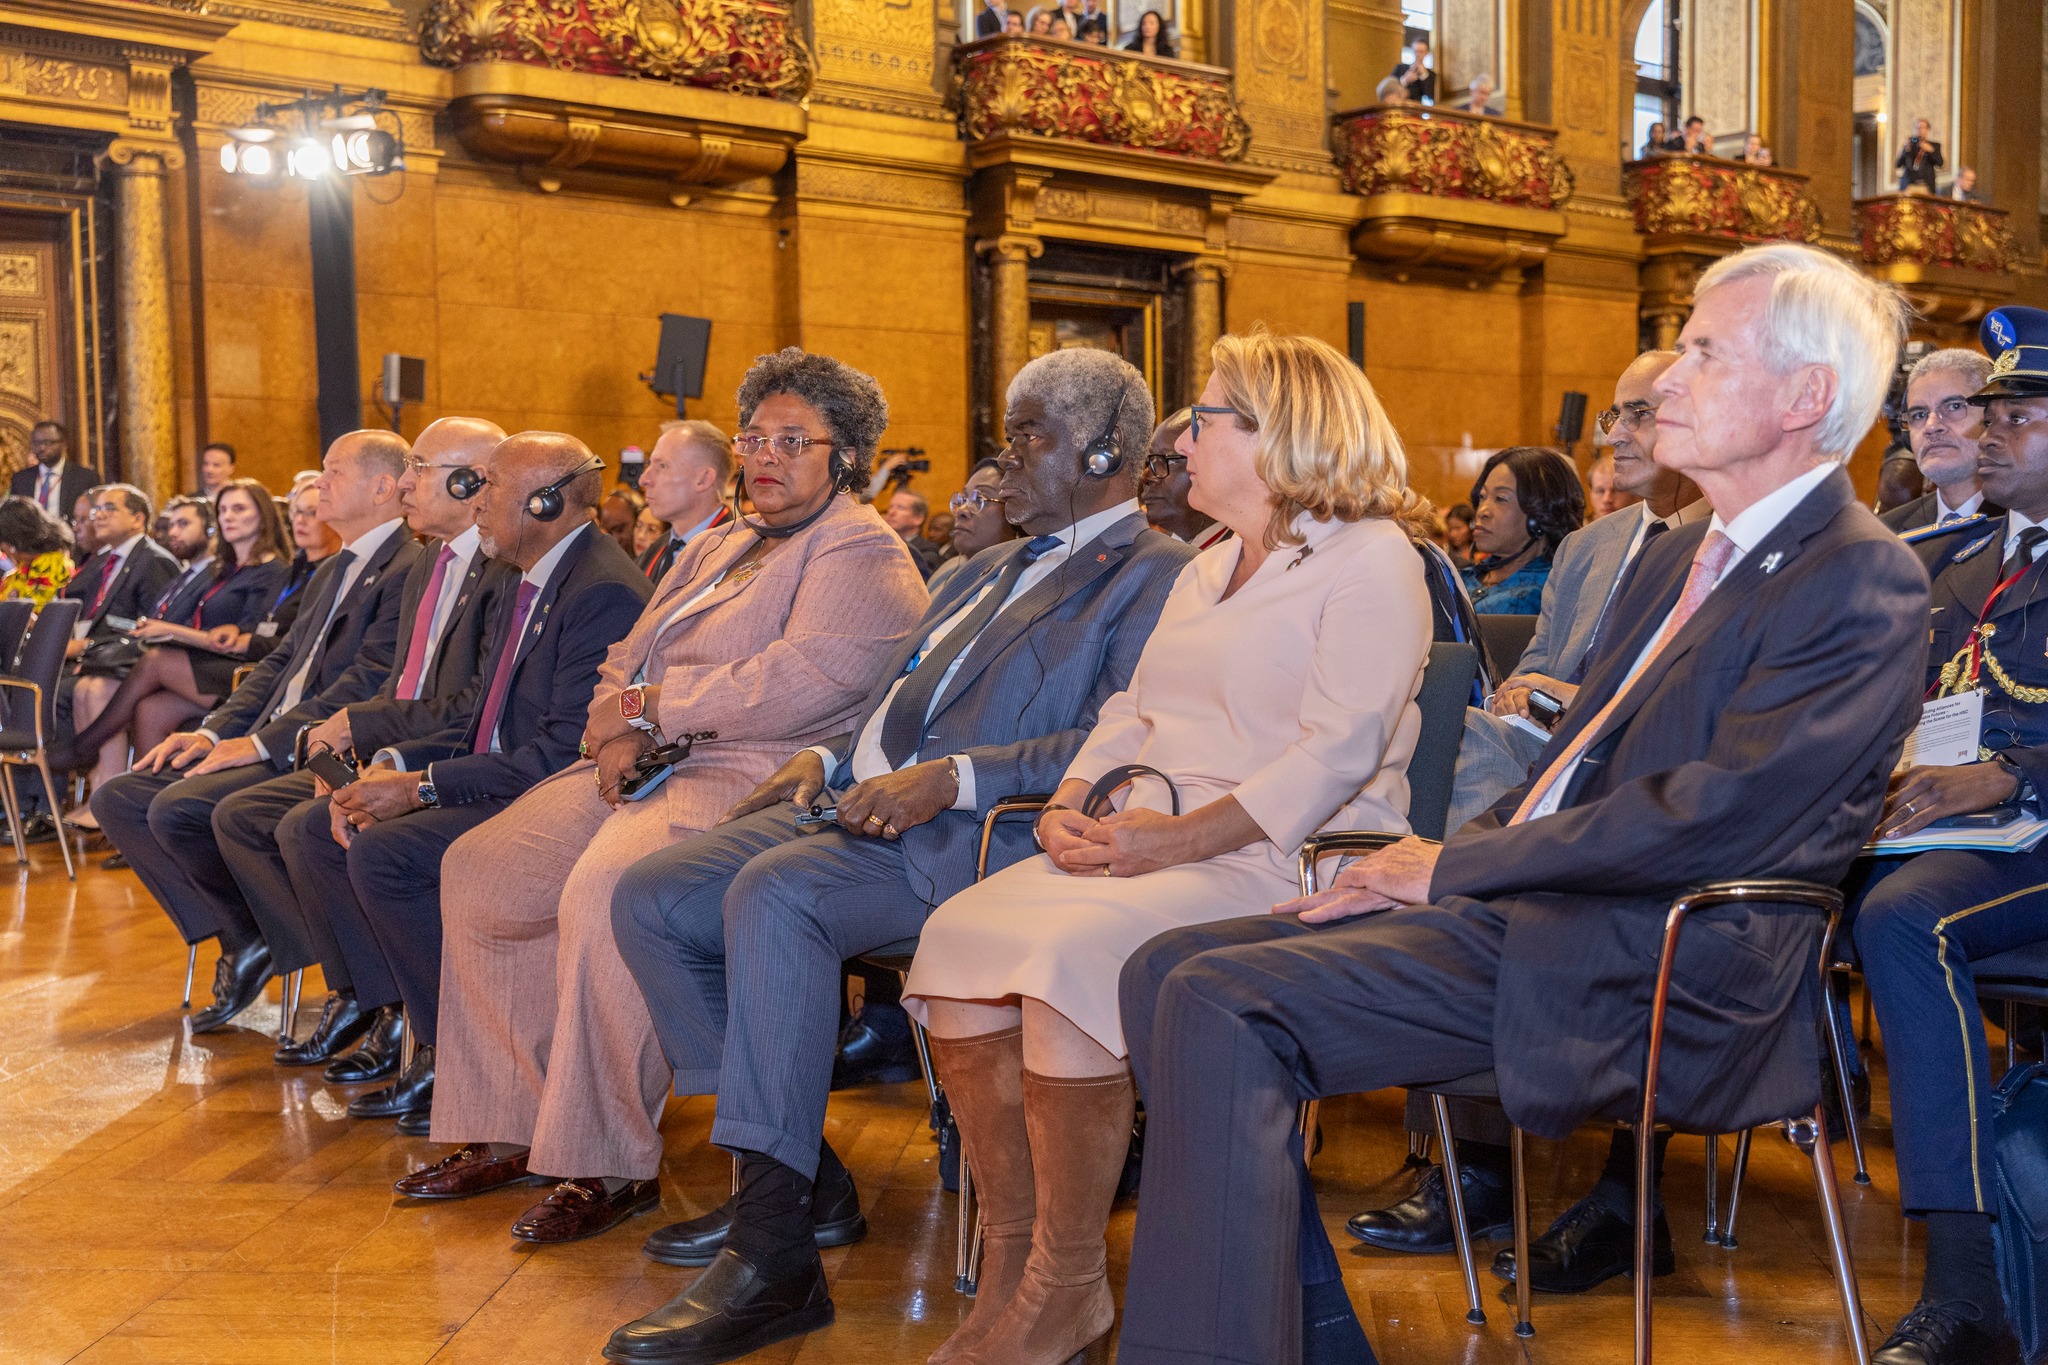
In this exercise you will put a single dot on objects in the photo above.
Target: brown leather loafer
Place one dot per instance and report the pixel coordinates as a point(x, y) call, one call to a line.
point(581, 1208)
point(468, 1170)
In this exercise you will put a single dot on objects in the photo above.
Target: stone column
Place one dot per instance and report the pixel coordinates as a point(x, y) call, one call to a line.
point(1205, 319)
point(142, 294)
point(1009, 323)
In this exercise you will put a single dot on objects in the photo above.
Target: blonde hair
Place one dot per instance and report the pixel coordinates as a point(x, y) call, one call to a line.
point(1325, 445)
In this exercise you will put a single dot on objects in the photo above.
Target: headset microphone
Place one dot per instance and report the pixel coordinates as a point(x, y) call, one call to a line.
point(1104, 455)
point(546, 504)
point(465, 483)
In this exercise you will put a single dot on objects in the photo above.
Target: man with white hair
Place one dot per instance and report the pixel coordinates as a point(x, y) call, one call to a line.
point(1943, 426)
point(1741, 723)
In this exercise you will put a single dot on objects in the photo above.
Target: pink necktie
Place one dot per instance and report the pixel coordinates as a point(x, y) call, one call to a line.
point(422, 627)
point(501, 680)
point(1707, 565)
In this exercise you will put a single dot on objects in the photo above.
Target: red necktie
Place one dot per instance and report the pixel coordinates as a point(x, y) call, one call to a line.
point(501, 680)
point(1712, 557)
point(422, 627)
point(113, 571)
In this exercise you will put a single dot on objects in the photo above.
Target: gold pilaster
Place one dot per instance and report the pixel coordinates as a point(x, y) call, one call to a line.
point(1009, 262)
point(142, 291)
point(1205, 319)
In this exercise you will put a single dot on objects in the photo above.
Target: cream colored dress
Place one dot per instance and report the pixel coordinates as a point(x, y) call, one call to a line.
point(1297, 696)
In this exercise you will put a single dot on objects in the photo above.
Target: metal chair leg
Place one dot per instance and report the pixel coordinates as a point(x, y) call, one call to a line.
point(56, 813)
point(1842, 1054)
point(1810, 1135)
point(1418, 1150)
point(407, 1045)
point(1646, 1199)
point(735, 1175)
point(2012, 1024)
point(1713, 1186)
point(191, 965)
point(1523, 1326)
point(1305, 1119)
point(966, 1242)
point(1455, 1196)
point(1868, 1035)
point(1735, 1187)
point(288, 987)
point(13, 802)
point(924, 1060)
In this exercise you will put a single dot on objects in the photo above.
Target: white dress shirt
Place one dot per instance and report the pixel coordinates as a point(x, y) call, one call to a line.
point(466, 547)
point(1944, 513)
point(2015, 522)
point(1747, 531)
point(121, 553)
point(361, 548)
point(50, 489)
point(868, 759)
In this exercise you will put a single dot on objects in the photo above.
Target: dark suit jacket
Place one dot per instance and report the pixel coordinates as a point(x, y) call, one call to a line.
point(1917, 163)
point(1756, 745)
point(350, 656)
point(72, 484)
point(139, 581)
point(185, 600)
point(451, 684)
point(587, 605)
point(1027, 692)
point(1921, 511)
point(988, 22)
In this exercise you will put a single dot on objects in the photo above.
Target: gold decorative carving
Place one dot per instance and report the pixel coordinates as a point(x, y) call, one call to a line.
point(1706, 196)
point(858, 185)
point(748, 47)
point(1452, 155)
point(1073, 204)
point(20, 274)
point(1922, 230)
point(58, 78)
point(142, 293)
point(19, 348)
point(876, 43)
point(1083, 93)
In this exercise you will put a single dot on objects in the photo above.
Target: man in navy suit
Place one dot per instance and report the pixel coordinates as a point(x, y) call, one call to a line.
point(1741, 721)
point(54, 482)
point(160, 816)
point(736, 935)
point(380, 839)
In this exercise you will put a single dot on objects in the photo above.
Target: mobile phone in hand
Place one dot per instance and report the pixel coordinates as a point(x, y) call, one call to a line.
point(1545, 709)
point(331, 768)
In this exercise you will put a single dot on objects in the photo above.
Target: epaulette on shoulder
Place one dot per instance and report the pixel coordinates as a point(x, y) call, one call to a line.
point(1971, 522)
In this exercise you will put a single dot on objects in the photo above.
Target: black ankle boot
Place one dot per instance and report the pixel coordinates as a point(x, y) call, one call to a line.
point(238, 980)
point(1421, 1223)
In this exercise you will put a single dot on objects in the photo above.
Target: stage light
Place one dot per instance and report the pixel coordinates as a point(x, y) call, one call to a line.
point(255, 132)
point(309, 160)
point(313, 138)
point(352, 123)
point(256, 160)
point(230, 159)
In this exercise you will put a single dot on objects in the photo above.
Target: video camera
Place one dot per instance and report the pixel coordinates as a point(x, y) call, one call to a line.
point(916, 464)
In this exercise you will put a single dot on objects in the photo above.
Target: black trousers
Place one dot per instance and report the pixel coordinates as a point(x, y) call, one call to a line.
point(381, 898)
point(1230, 1025)
point(245, 827)
point(163, 825)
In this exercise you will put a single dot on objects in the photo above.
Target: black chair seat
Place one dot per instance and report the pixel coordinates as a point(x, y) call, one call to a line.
point(17, 741)
point(892, 957)
point(1484, 1086)
point(2019, 974)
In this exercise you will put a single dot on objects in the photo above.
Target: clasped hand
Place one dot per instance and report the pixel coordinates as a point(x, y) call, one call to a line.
point(380, 792)
point(1123, 843)
point(1396, 875)
point(1920, 796)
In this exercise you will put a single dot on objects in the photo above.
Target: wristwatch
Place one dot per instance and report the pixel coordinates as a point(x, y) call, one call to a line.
point(429, 797)
point(2023, 792)
point(633, 708)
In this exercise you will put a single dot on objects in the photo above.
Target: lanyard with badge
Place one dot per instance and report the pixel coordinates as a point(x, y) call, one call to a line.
point(1951, 726)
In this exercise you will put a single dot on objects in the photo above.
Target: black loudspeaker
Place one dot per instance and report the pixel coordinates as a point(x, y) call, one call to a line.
point(405, 379)
point(1355, 318)
point(679, 363)
point(545, 504)
point(1571, 418)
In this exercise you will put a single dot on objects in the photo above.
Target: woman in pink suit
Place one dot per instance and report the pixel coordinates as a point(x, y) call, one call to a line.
point(1278, 694)
point(765, 636)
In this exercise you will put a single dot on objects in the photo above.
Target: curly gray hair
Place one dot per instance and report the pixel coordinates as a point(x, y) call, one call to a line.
point(850, 402)
point(1093, 391)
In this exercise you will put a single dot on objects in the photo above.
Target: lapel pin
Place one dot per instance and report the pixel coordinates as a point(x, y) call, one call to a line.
point(1772, 560)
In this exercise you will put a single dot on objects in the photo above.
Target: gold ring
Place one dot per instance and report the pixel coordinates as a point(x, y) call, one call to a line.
point(874, 819)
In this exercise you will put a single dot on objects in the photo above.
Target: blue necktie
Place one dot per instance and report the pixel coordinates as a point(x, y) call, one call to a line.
point(903, 727)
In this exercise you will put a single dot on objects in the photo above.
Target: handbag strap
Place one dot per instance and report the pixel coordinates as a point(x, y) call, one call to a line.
point(1096, 804)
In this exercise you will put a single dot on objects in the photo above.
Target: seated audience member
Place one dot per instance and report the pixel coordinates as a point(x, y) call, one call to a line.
point(1694, 140)
point(1013, 23)
point(938, 529)
point(216, 469)
point(55, 481)
point(1655, 143)
point(1528, 500)
point(979, 522)
point(1495, 756)
point(191, 633)
point(1164, 491)
point(1943, 426)
point(1899, 480)
point(38, 545)
point(1479, 97)
point(1741, 724)
point(1152, 39)
point(1041, 21)
point(119, 585)
point(1603, 498)
point(905, 512)
point(547, 1044)
point(989, 19)
point(1309, 632)
point(451, 593)
point(367, 860)
point(650, 533)
point(160, 816)
point(1458, 533)
point(619, 512)
point(1965, 186)
point(1754, 153)
point(83, 543)
point(1390, 91)
point(1921, 921)
point(685, 481)
point(313, 540)
point(737, 936)
point(1058, 27)
point(1090, 18)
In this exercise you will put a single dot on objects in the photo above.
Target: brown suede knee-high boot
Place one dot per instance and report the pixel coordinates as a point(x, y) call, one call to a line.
point(1080, 1134)
point(984, 1078)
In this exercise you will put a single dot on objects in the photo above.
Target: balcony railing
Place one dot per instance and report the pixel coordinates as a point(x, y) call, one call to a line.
point(1046, 87)
point(1448, 154)
point(1920, 229)
point(745, 47)
point(1706, 196)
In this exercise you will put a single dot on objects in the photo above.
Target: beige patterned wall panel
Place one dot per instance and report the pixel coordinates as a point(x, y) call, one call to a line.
point(1280, 80)
point(884, 48)
point(1922, 57)
point(1468, 38)
point(1720, 62)
point(35, 75)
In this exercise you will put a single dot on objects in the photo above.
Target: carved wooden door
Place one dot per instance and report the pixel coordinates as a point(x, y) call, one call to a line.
point(34, 381)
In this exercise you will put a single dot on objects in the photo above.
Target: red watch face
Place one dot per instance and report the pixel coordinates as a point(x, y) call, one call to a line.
point(632, 702)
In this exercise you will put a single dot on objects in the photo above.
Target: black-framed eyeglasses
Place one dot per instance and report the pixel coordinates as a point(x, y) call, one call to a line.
point(974, 498)
point(1159, 468)
point(1954, 412)
point(1630, 415)
point(788, 445)
point(1199, 410)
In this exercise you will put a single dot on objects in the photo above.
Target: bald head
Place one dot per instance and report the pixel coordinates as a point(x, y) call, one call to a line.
point(466, 440)
point(452, 443)
point(519, 466)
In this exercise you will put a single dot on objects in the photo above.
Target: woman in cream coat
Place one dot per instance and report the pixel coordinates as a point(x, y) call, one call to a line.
point(1278, 694)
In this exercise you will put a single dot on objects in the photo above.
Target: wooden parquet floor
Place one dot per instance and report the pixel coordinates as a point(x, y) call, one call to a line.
point(169, 1199)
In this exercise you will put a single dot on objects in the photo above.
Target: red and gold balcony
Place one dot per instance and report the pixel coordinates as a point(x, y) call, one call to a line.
point(1707, 197)
point(1076, 92)
point(682, 94)
point(1447, 189)
point(1951, 257)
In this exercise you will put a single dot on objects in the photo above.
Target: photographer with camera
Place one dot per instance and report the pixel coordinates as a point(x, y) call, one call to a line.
point(906, 511)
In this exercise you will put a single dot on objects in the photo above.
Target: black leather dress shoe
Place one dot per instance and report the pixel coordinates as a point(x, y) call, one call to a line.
point(39, 828)
point(727, 1312)
point(383, 1040)
point(876, 1046)
point(412, 1090)
point(1940, 1334)
point(1589, 1244)
point(416, 1122)
point(836, 1221)
point(238, 980)
point(1421, 1223)
point(342, 1021)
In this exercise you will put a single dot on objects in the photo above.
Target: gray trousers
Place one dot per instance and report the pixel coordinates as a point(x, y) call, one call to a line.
point(737, 938)
point(1230, 1025)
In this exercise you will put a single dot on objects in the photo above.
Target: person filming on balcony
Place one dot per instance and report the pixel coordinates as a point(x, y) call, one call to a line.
point(1152, 39)
point(1920, 159)
point(1415, 75)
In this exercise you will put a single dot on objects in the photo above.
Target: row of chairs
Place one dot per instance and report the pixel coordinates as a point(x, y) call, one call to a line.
point(31, 667)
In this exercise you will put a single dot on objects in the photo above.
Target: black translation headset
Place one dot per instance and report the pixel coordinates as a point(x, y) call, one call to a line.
point(844, 480)
point(1104, 455)
point(545, 504)
point(465, 483)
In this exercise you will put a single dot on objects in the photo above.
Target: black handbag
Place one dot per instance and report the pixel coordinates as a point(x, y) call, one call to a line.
point(109, 657)
point(2019, 1127)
